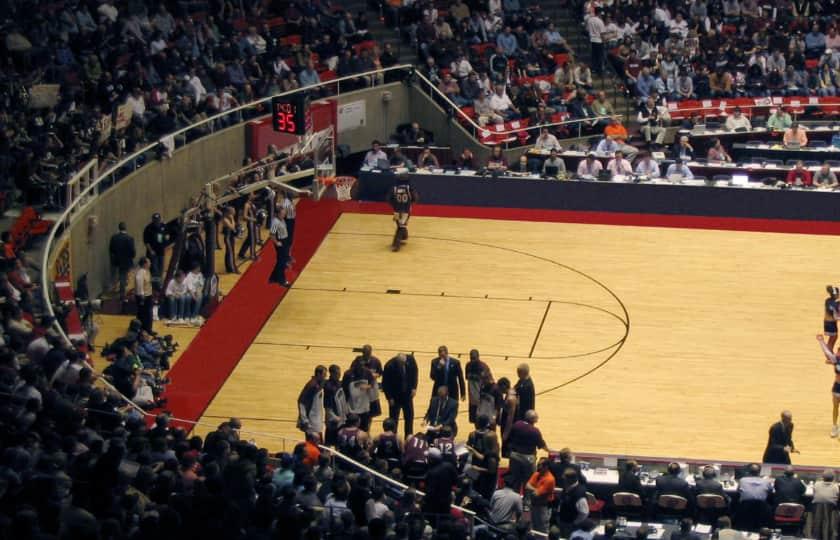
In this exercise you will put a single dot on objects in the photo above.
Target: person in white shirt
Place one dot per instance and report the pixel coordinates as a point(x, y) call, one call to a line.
point(646, 166)
point(255, 40)
point(589, 167)
point(485, 113)
point(546, 141)
point(375, 155)
point(177, 297)
point(461, 67)
point(618, 166)
point(738, 121)
point(595, 27)
point(195, 287)
point(143, 293)
point(501, 103)
point(678, 170)
point(137, 102)
point(196, 86)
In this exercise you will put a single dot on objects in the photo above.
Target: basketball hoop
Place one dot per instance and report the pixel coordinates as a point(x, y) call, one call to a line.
point(343, 186)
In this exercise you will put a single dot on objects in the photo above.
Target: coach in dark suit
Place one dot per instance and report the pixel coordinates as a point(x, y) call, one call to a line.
point(780, 441)
point(121, 250)
point(446, 371)
point(442, 410)
point(399, 383)
point(709, 484)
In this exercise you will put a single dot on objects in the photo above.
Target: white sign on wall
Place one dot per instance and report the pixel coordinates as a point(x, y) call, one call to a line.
point(351, 116)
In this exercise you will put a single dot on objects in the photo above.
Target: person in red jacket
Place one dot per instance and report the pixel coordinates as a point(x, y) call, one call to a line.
point(799, 176)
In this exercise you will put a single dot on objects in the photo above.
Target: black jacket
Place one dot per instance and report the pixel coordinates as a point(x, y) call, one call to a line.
point(452, 379)
point(121, 249)
point(777, 439)
point(391, 383)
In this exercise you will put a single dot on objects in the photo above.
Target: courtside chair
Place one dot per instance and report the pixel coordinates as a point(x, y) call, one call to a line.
point(596, 506)
point(671, 507)
point(789, 518)
point(628, 505)
point(710, 507)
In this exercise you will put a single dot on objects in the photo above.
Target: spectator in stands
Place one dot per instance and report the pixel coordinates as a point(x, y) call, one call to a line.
point(795, 135)
point(595, 28)
point(814, 41)
point(375, 155)
point(589, 167)
point(471, 87)
point(737, 121)
point(506, 504)
point(721, 83)
point(309, 76)
point(440, 479)
point(788, 488)
point(678, 170)
point(798, 176)
point(583, 77)
point(449, 87)
point(546, 141)
point(485, 112)
point(581, 110)
point(779, 121)
point(682, 149)
point(684, 86)
point(461, 67)
point(501, 103)
point(618, 166)
point(825, 177)
point(522, 165)
point(506, 41)
point(618, 134)
point(645, 83)
point(540, 489)
point(717, 152)
point(650, 123)
point(646, 166)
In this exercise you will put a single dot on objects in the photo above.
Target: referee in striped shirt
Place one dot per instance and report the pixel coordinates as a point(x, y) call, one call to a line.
point(280, 239)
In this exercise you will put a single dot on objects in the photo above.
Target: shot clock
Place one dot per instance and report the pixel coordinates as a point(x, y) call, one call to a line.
point(290, 114)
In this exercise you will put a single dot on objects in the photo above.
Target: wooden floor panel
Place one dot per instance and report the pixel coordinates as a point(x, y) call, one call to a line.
point(719, 328)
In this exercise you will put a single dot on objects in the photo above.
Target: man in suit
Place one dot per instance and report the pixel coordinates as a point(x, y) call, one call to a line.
point(526, 397)
point(442, 412)
point(709, 484)
point(399, 382)
point(780, 441)
point(788, 488)
point(670, 483)
point(121, 250)
point(446, 371)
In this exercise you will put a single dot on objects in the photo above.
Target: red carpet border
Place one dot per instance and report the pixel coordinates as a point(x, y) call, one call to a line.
point(217, 348)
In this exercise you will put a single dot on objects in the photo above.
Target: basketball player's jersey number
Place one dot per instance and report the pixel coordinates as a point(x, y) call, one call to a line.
point(402, 197)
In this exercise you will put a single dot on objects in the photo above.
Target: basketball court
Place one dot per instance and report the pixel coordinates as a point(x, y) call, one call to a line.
point(646, 341)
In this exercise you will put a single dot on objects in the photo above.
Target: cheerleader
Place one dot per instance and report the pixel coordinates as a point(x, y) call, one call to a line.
point(229, 234)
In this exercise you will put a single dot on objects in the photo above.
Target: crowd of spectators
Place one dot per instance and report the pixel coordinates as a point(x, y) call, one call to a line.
point(88, 78)
point(701, 49)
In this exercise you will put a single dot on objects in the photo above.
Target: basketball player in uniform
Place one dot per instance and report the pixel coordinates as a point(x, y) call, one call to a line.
point(402, 196)
point(506, 412)
point(351, 439)
point(335, 405)
point(832, 359)
point(414, 456)
point(388, 445)
point(357, 383)
point(473, 371)
point(311, 403)
point(830, 316)
point(445, 442)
